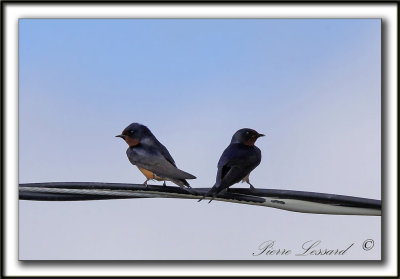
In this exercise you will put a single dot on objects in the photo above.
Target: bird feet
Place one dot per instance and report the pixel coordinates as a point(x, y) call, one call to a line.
point(145, 183)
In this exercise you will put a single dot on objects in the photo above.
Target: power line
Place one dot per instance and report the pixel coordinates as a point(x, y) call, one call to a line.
point(298, 201)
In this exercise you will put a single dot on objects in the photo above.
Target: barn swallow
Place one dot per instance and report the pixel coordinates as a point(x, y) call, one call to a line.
point(151, 157)
point(237, 161)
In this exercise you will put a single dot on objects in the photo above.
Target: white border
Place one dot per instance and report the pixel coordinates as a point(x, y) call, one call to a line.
point(388, 12)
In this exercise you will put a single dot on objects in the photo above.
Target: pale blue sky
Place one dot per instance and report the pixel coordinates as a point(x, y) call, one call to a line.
point(313, 86)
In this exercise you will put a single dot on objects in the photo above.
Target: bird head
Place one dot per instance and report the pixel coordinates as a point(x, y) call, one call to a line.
point(134, 133)
point(246, 136)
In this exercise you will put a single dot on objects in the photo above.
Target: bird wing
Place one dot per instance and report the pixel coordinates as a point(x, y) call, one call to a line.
point(164, 152)
point(156, 163)
point(235, 163)
point(163, 168)
point(233, 174)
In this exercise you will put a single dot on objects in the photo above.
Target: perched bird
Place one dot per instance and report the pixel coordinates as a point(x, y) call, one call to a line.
point(151, 157)
point(237, 161)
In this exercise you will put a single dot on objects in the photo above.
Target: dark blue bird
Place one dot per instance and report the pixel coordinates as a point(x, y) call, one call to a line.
point(151, 157)
point(237, 161)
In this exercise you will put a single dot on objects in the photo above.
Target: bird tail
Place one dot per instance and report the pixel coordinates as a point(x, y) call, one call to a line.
point(185, 182)
point(181, 182)
point(211, 191)
point(183, 175)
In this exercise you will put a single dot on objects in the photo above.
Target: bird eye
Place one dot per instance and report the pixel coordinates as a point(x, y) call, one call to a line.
point(132, 132)
point(247, 133)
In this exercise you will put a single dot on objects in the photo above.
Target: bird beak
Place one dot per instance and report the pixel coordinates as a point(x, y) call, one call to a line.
point(261, 135)
point(120, 136)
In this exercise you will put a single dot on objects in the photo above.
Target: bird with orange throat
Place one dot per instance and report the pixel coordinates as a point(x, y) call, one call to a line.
point(151, 157)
